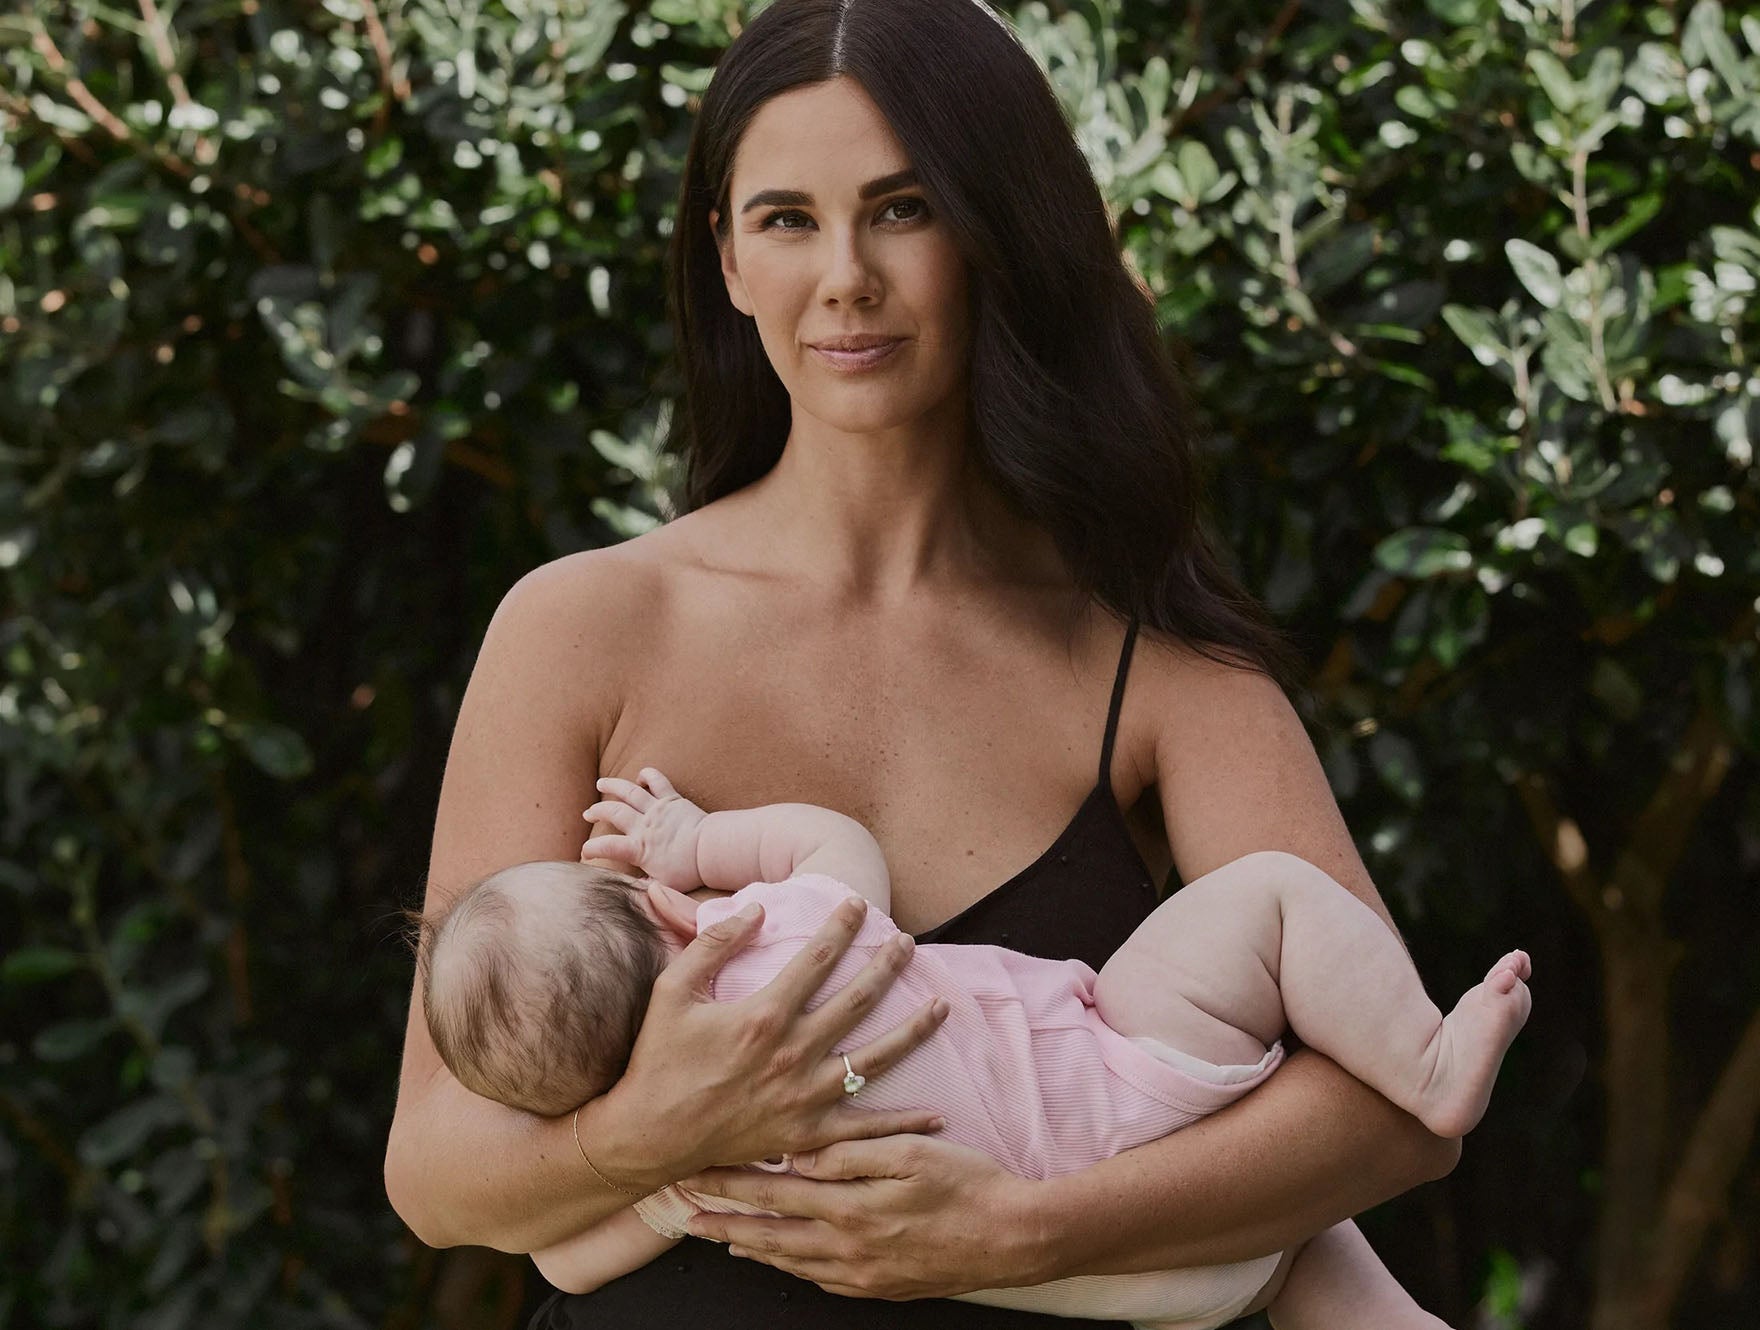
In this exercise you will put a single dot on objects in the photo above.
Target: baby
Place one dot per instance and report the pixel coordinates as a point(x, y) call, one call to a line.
point(536, 980)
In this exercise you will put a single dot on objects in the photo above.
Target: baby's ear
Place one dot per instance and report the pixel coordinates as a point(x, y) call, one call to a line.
point(675, 909)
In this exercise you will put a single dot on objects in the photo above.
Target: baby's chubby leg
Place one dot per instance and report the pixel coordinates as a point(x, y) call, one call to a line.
point(1337, 1280)
point(1269, 941)
point(1201, 972)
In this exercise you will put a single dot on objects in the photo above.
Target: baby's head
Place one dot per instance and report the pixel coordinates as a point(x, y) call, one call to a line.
point(536, 979)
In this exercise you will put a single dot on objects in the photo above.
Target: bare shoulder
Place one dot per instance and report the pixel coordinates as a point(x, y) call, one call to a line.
point(591, 616)
point(548, 685)
point(1235, 768)
point(614, 582)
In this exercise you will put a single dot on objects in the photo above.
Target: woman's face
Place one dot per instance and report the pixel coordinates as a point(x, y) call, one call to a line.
point(810, 259)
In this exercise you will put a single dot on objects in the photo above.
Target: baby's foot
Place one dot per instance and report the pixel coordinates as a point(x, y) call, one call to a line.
point(1470, 1047)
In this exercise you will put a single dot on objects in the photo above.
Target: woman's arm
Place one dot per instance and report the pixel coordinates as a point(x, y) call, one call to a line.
point(1236, 772)
point(1310, 1147)
point(460, 1168)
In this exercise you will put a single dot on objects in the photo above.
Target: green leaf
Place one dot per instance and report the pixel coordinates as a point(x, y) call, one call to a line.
point(1393, 369)
point(384, 156)
point(181, 1243)
point(1603, 78)
point(1571, 369)
point(1638, 213)
point(174, 1067)
point(71, 1039)
point(1581, 539)
point(1704, 41)
point(275, 749)
point(1503, 1288)
point(1198, 169)
point(1537, 270)
point(1470, 443)
point(152, 1007)
point(1409, 304)
point(32, 965)
point(1561, 89)
point(1475, 328)
point(127, 1129)
point(1395, 760)
point(1424, 552)
point(1339, 257)
point(1456, 13)
point(1463, 623)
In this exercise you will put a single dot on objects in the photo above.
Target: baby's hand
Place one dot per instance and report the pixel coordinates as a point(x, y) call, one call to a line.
point(657, 829)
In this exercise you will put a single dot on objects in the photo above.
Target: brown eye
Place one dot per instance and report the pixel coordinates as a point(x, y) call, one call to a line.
point(772, 222)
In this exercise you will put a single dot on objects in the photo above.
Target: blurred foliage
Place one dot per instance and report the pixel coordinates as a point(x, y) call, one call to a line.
point(322, 323)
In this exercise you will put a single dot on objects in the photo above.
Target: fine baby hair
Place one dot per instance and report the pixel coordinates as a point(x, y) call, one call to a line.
point(535, 981)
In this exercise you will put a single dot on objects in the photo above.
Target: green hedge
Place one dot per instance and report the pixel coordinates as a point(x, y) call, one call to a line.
point(320, 324)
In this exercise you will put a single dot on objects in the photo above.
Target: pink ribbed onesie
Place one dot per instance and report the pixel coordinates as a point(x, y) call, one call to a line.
point(1023, 1069)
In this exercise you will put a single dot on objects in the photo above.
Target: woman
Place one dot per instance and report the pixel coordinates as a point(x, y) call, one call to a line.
point(899, 578)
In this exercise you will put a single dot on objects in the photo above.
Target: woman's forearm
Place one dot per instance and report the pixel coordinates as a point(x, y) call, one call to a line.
point(1309, 1148)
point(463, 1169)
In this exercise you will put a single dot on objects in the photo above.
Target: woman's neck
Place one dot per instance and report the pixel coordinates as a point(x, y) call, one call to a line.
point(878, 517)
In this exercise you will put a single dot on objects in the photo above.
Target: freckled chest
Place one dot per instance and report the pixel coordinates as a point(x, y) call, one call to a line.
point(963, 748)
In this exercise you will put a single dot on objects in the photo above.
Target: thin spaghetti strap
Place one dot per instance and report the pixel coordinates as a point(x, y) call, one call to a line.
point(1124, 668)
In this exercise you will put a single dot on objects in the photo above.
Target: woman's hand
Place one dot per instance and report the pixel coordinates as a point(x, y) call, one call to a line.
point(906, 1217)
point(726, 1082)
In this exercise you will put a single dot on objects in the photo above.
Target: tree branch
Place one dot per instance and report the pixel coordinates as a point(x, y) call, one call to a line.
point(1699, 1193)
point(1660, 833)
point(1562, 840)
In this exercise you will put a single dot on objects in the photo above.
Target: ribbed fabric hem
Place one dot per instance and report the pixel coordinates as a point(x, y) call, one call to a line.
point(1185, 1082)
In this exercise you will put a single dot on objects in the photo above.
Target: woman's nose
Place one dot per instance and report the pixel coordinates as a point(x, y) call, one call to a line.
point(852, 274)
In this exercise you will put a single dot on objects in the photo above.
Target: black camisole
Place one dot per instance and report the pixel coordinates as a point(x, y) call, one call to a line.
point(1080, 899)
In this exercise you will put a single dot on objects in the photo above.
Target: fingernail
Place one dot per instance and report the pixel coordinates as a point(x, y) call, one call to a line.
point(940, 1009)
point(750, 912)
point(804, 1160)
point(936, 1124)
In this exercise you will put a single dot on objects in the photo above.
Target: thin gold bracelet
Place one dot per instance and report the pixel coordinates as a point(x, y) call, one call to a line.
point(596, 1173)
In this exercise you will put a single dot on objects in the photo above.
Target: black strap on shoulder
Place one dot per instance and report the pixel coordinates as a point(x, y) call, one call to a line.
point(1124, 668)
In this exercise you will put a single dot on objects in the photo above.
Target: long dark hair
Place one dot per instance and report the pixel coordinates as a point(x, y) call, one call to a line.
point(1078, 412)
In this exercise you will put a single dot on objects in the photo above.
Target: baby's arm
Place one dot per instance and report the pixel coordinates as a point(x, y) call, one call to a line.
point(678, 844)
point(614, 1246)
point(777, 841)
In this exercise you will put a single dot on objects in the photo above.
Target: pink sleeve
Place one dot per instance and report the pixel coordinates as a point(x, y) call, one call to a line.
point(793, 908)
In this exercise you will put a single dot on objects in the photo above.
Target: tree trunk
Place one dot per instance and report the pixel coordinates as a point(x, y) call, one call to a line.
point(1652, 1226)
point(1636, 964)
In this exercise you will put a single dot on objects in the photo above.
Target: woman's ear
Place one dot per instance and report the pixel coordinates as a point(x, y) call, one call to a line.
point(736, 287)
point(675, 909)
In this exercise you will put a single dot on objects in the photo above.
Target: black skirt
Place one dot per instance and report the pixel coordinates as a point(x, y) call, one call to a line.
point(698, 1284)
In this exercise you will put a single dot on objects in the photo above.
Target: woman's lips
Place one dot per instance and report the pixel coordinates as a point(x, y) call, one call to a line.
point(858, 360)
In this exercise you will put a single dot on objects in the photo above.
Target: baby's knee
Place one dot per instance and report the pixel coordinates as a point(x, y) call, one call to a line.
point(1274, 1285)
point(1277, 875)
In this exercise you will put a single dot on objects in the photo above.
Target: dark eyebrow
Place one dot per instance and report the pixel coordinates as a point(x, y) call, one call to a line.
point(794, 198)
